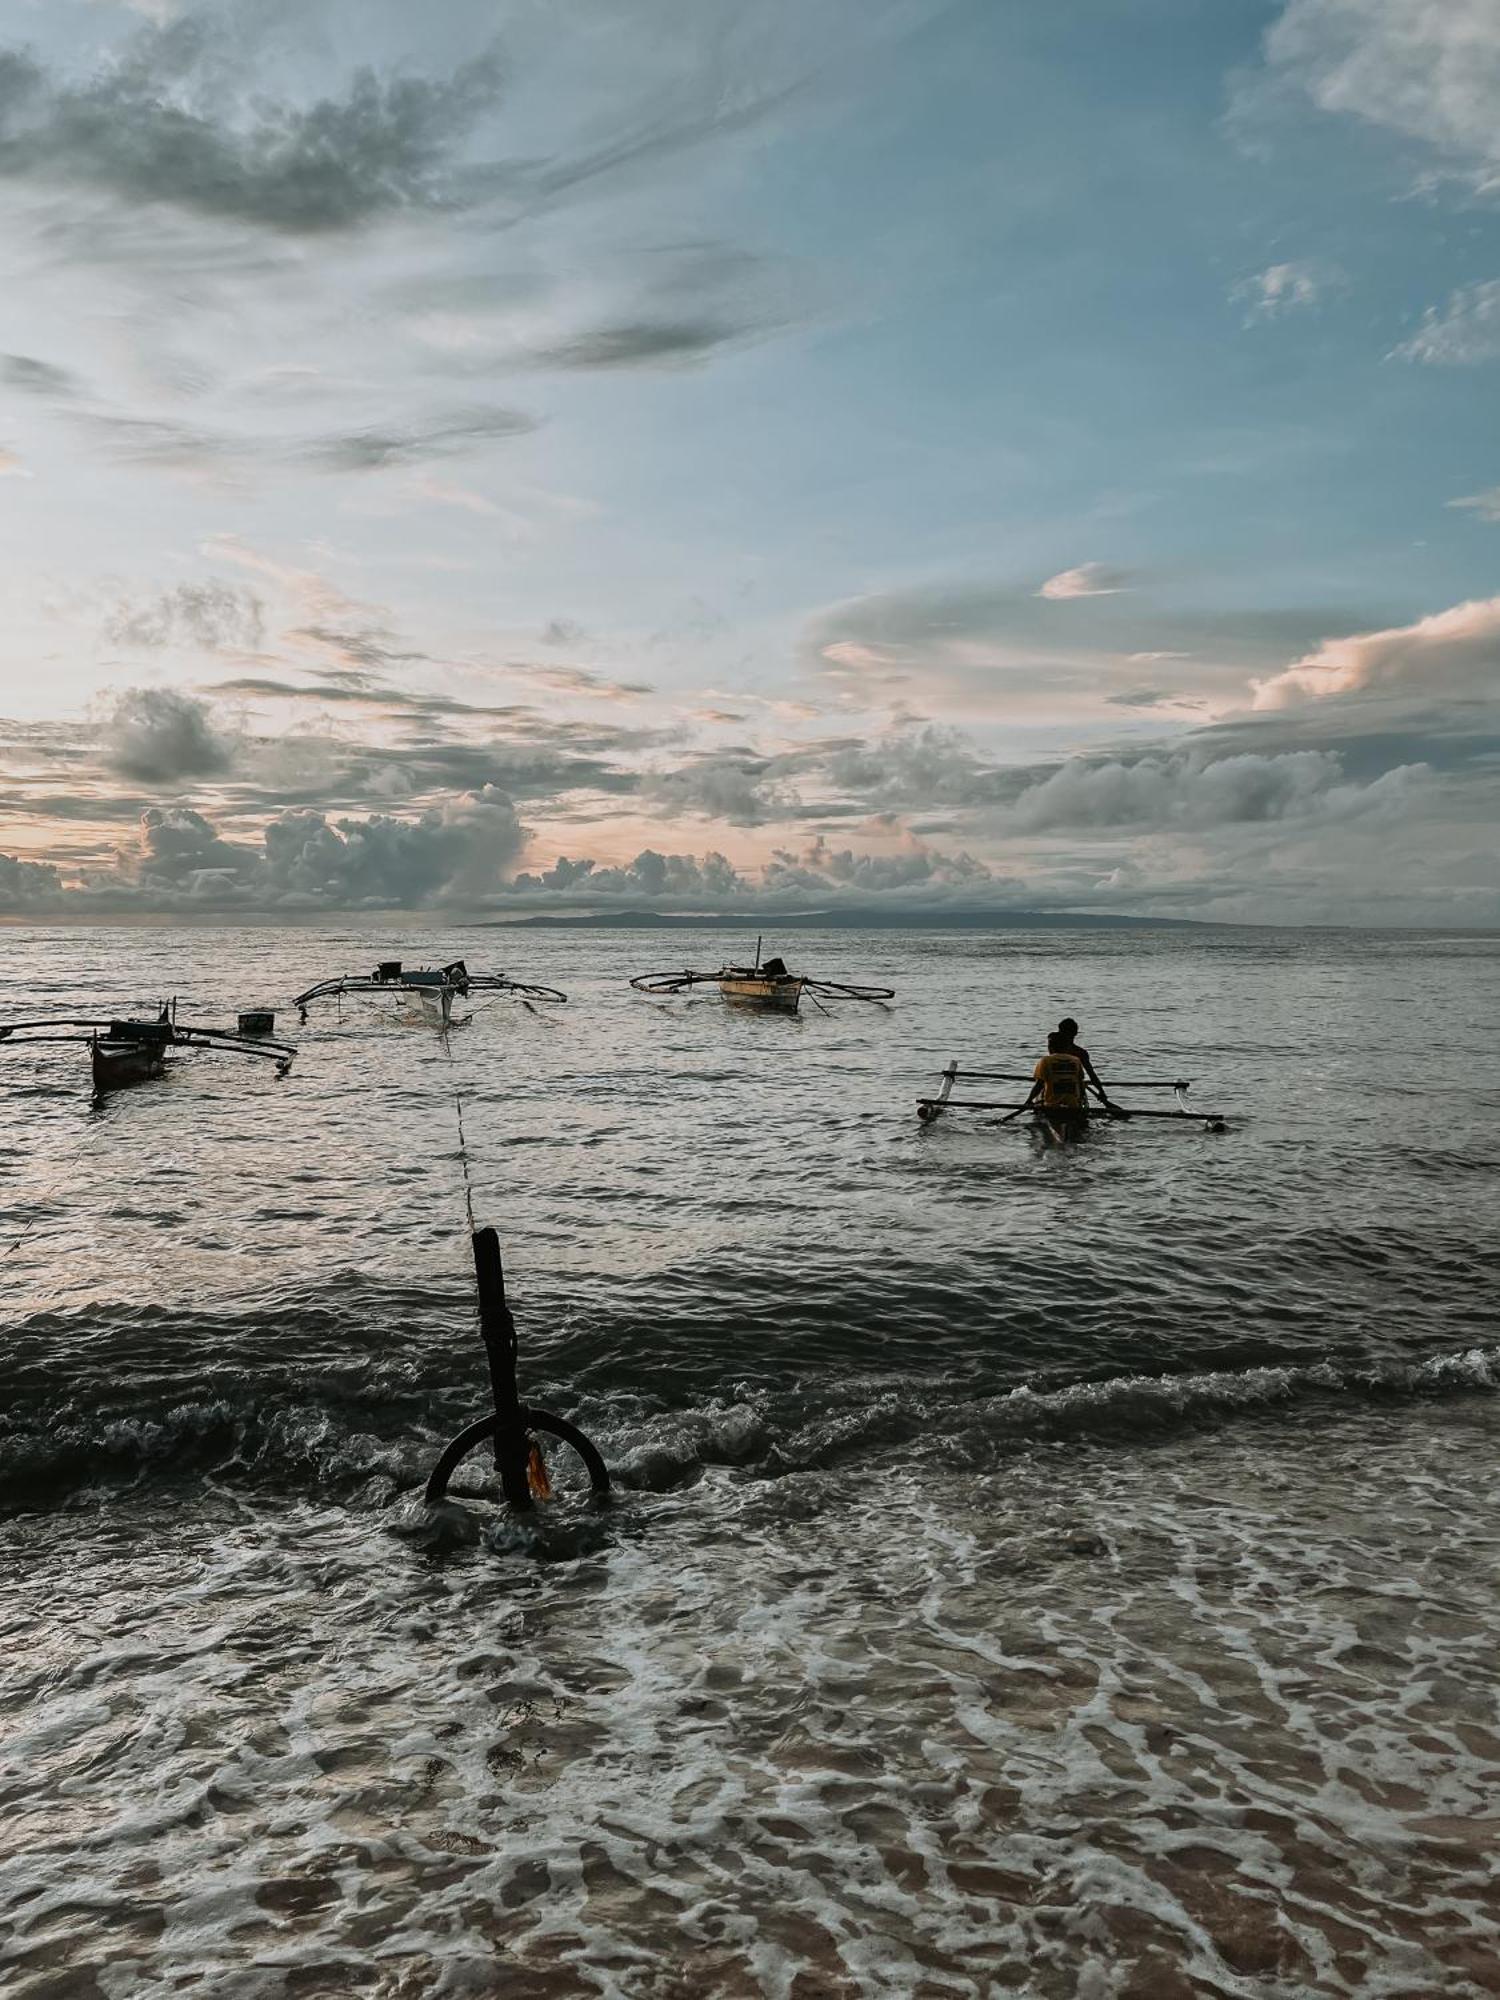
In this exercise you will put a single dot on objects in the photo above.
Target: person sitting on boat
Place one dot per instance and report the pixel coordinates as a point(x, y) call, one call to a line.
point(1067, 1032)
point(1059, 1082)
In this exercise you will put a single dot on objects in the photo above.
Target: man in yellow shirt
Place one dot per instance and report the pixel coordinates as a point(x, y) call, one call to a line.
point(1059, 1087)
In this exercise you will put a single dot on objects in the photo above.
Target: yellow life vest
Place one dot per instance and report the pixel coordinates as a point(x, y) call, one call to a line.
point(1061, 1078)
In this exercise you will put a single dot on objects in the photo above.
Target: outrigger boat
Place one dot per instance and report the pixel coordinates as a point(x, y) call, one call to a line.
point(435, 987)
point(125, 1051)
point(768, 986)
point(1059, 1126)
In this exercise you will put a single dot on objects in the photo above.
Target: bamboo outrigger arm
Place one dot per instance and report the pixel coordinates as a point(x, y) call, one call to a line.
point(170, 1034)
point(453, 979)
point(930, 1109)
point(827, 989)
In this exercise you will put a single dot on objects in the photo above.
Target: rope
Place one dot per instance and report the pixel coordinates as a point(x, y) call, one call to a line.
point(463, 1155)
point(463, 1143)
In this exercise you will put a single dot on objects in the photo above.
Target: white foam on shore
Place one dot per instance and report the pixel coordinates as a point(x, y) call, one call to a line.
point(1219, 1711)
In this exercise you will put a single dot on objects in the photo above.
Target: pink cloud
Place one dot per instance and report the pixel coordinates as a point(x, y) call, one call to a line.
point(1452, 651)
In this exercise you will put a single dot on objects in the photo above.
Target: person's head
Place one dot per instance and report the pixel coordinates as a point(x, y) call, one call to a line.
point(1067, 1031)
point(1056, 1044)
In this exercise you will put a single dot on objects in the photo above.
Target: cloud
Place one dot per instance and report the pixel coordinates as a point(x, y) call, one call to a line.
point(159, 122)
point(641, 344)
point(739, 789)
point(1090, 579)
point(914, 767)
point(1465, 334)
point(33, 377)
point(562, 632)
point(1195, 789)
point(1280, 289)
point(670, 879)
point(12, 467)
point(976, 651)
point(1486, 505)
point(29, 886)
point(580, 681)
point(435, 437)
point(160, 737)
point(1150, 698)
point(1450, 653)
point(898, 863)
point(458, 852)
point(912, 866)
point(218, 617)
point(1427, 69)
point(161, 441)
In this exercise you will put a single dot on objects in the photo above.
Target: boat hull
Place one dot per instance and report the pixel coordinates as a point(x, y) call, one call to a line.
point(115, 1064)
point(436, 1004)
point(765, 995)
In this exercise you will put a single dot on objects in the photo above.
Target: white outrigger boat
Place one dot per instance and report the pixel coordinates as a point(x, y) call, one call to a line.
point(125, 1051)
point(1061, 1126)
point(434, 987)
point(767, 987)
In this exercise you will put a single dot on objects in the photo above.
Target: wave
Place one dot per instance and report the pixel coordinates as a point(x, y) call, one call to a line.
point(339, 1449)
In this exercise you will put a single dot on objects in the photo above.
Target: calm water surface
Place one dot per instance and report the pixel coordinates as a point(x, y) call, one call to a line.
point(1033, 1572)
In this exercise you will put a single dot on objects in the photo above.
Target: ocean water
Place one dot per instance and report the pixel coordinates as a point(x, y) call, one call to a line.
point(1030, 1572)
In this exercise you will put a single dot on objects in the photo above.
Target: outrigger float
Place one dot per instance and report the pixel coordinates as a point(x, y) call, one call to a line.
point(767, 987)
point(435, 987)
point(125, 1051)
point(1062, 1126)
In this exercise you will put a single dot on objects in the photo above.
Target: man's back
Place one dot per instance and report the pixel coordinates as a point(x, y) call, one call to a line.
point(1060, 1073)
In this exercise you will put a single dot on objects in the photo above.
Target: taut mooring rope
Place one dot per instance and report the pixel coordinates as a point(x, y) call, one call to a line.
point(463, 1143)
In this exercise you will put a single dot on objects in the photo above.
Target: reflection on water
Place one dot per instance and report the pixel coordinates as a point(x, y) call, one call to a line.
point(1033, 1572)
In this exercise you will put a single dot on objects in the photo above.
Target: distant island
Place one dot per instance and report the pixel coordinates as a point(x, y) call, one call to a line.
point(828, 920)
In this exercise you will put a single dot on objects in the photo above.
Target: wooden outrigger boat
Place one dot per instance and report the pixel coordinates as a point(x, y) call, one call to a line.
point(434, 987)
point(1060, 1127)
point(767, 987)
point(126, 1051)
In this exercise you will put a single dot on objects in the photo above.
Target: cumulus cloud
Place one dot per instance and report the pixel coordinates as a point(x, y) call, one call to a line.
point(29, 887)
point(741, 790)
point(459, 853)
point(671, 879)
point(217, 617)
point(1427, 69)
point(1452, 652)
point(1090, 579)
point(158, 736)
point(1197, 790)
point(897, 862)
point(914, 767)
point(1281, 288)
point(1465, 333)
point(160, 122)
point(910, 866)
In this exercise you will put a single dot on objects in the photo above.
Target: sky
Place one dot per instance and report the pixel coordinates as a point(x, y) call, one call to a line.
point(891, 456)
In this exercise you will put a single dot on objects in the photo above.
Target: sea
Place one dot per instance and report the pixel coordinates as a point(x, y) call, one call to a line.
point(1030, 1570)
